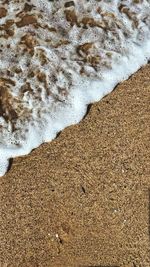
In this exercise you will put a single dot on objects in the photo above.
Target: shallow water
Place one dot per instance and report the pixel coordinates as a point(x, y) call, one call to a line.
point(56, 57)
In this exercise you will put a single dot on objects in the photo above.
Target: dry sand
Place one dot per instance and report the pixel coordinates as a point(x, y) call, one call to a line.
point(83, 199)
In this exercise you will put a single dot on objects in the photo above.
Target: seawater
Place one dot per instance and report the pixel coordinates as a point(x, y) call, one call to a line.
point(56, 57)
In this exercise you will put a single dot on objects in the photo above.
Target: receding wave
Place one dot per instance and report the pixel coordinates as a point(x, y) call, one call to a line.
point(56, 57)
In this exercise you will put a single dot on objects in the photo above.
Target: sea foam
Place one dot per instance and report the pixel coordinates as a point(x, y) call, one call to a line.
point(57, 57)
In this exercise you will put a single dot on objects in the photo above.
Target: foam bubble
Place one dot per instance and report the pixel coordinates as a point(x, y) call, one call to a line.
point(4, 163)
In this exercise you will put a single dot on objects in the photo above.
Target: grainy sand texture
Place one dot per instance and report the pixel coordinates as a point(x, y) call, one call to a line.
point(83, 199)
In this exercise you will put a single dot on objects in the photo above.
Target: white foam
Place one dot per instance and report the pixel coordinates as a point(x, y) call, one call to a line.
point(42, 114)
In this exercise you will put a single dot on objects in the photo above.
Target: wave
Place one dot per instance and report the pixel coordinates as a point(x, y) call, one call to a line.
point(57, 57)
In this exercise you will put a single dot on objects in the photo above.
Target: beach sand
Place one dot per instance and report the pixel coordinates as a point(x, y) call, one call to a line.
point(83, 199)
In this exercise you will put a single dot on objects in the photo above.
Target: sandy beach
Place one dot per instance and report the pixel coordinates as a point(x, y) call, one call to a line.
point(83, 199)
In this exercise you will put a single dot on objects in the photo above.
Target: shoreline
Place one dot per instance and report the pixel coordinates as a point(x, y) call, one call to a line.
point(82, 199)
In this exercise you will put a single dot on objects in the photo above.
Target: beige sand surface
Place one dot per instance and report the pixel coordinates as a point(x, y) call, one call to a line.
point(83, 199)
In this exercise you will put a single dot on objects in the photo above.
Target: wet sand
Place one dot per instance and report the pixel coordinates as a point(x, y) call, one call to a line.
point(83, 199)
